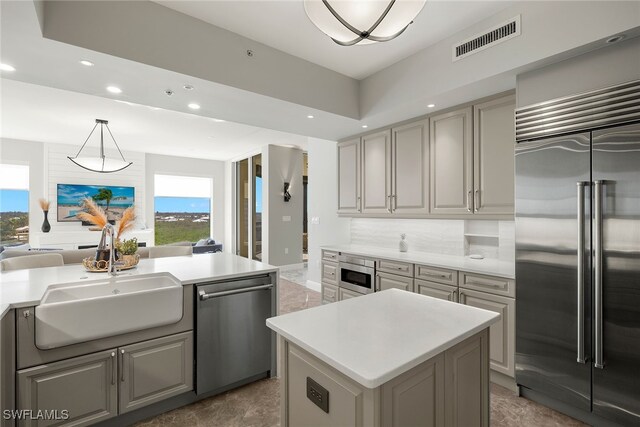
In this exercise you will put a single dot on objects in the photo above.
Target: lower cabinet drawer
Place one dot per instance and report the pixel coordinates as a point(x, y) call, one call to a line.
point(386, 281)
point(86, 387)
point(330, 273)
point(395, 267)
point(346, 294)
point(435, 274)
point(491, 284)
point(329, 292)
point(154, 370)
point(436, 290)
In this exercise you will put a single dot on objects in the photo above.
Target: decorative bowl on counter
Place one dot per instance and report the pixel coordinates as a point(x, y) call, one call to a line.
point(101, 266)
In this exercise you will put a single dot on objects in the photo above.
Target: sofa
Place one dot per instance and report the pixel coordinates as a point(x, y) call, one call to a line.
point(75, 256)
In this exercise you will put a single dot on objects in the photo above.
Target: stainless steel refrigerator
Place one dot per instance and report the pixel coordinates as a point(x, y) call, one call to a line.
point(578, 254)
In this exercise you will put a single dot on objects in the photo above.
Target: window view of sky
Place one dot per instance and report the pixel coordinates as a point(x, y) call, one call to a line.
point(182, 204)
point(14, 201)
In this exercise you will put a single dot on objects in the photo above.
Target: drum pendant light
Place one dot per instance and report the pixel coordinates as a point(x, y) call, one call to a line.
point(102, 163)
point(349, 22)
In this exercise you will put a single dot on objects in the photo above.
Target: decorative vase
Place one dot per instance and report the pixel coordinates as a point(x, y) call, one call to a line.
point(404, 245)
point(46, 227)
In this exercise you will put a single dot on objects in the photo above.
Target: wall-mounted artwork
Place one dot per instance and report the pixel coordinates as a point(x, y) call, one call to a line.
point(114, 200)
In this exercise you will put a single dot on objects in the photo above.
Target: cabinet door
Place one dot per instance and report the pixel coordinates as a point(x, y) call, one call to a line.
point(390, 281)
point(349, 176)
point(329, 293)
point(493, 156)
point(376, 173)
point(466, 378)
point(436, 290)
point(154, 370)
point(86, 386)
point(502, 333)
point(330, 272)
point(451, 151)
point(410, 171)
point(346, 294)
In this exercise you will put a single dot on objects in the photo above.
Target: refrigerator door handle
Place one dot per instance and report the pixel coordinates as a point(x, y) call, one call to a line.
point(597, 244)
point(580, 285)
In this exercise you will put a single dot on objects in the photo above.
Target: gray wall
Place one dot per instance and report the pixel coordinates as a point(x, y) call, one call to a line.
point(173, 165)
point(607, 66)
point(280, 165)
point(323, 203)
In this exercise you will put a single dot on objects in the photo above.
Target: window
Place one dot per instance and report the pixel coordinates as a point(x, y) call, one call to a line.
point(14, 204)
point(182, 208)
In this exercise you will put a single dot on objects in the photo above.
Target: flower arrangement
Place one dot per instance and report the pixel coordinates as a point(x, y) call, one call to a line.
point(95, 215)
point(44, 205)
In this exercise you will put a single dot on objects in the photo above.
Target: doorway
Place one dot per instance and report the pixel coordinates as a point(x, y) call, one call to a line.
point(249, 207)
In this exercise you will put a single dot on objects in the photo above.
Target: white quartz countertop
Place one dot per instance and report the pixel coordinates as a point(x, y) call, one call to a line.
point(492, 267)
point(23, 288)
point(374, 338)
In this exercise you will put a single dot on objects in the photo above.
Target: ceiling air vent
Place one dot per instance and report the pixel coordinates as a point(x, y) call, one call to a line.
point(493, 36)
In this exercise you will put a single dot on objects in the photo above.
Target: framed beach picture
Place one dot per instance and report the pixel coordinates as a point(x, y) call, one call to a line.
point(114, 200)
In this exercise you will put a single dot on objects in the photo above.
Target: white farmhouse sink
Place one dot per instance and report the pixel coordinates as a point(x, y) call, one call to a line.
point(78, 312)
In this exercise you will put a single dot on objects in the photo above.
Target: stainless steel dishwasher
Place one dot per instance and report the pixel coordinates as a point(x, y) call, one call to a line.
point(234, 345)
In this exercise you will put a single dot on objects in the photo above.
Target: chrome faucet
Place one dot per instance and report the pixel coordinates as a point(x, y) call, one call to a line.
point(111, 263)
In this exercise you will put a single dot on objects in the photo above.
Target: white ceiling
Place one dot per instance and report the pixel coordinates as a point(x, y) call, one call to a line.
point(38, 113)
point(284, 25)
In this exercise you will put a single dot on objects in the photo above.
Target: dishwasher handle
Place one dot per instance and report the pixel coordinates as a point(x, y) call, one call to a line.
point(205, 296)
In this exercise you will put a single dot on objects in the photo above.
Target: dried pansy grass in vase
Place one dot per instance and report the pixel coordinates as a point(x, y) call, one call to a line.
point(92, 213)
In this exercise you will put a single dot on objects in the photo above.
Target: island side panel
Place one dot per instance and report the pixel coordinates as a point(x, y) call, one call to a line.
point(7, 365)
point(350, 404)
point(467, 382)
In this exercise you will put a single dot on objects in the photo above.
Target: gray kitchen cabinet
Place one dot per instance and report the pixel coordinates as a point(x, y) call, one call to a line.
point(395, 267)
point(502, 333)
point(493, 158)
point(329, 293)
point(349, 161)
point(466, 379)
point(386, 281)
point(330, 273)
point(376, 173)
point(344, 294)
point(85, 386)
point(436, 290)
point(410, 168)
point(451, 152)
point(437, 274)
point(154, 370)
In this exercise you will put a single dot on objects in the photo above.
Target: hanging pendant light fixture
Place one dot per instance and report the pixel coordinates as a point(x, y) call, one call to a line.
point(350, 22)
point(101, 164)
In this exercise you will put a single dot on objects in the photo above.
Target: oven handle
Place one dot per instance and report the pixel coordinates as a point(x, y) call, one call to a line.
point(205, 296)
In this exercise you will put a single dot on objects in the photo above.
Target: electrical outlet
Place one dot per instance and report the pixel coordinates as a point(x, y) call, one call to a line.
point(315, 220)
point(286, 251)
point(286, 218)
point(318, 395)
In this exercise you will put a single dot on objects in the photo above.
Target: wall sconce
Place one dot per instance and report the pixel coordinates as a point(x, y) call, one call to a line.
point(287, 195)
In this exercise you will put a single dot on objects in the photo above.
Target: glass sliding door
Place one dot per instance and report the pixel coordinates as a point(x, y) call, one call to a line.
point(249, 208)
point(242, 208)
point(256, 241)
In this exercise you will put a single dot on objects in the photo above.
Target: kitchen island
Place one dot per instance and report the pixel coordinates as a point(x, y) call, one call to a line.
point(387, 358)
point(130, 345)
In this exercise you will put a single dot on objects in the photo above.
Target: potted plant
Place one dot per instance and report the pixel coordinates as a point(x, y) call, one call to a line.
point(127, 249)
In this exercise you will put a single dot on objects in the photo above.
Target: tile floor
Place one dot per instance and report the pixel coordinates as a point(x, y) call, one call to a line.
point(257, 404)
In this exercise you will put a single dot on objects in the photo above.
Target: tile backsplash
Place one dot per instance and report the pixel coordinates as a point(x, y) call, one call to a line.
point(492, 239)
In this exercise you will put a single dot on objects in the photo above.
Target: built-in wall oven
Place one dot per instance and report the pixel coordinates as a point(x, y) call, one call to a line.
point(357, 274)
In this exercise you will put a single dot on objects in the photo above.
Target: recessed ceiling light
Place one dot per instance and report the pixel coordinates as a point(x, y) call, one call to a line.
point(194, 106)
point(309, 116)
point(431, 105)
point(187, 87)
point(7, 67)
point(616, 39)
point(114, 89)
point(219, 120)
point(86, 63)
point(365, 126)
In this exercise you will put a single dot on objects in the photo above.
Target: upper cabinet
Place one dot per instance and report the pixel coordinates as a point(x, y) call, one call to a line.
point(452, 162)
point(493, 156)
point(376, 173)
point(410, 168)
point(458, 163)
point(349, 160)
